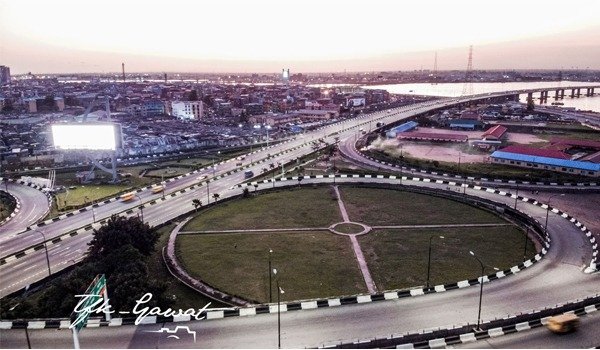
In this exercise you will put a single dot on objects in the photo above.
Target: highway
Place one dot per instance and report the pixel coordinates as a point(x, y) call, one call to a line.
point(557, 278)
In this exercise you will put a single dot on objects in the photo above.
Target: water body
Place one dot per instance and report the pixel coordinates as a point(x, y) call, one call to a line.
point(456, 89)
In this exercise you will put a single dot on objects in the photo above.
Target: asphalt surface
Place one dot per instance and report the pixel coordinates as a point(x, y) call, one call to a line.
point(34, 206)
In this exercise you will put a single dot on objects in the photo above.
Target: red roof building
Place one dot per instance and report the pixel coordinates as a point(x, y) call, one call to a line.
point(425, 136)
point(538, 152)
point(579, 143)
point(495, 133)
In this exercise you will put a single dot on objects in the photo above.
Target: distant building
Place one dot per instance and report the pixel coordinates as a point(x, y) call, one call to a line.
point(152, 107)
point(254, 108)
point(432, 137)
point(59, 103)
point(30, 104)
point(4, 75)
point(465, 124)
point(190, 110)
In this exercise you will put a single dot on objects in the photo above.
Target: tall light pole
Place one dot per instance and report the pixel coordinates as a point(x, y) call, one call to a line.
point(516, 196)
point(270, 275)
point(279, 292)
point(429, 258)
point(141, 207)
point(481, 288)
point(548, 211)
point(87, 199)
point(46, 249)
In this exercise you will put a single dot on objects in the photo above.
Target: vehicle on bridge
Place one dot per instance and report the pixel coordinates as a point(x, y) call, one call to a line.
point(127, 196)
point(248, 174)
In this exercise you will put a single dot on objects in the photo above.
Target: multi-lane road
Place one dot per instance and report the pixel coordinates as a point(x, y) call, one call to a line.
point(558, 278)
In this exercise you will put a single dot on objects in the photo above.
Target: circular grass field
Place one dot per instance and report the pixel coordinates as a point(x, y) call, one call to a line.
point(313, 262)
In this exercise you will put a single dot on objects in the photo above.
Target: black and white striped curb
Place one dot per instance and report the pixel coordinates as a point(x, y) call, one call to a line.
point(493, 329)
point(37, 187)
point(14, 212)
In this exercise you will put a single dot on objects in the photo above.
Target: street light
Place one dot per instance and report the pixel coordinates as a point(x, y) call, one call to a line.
point(429, 258)
point(45, 248)
point(87, 199)
point(480, 289)
point(548, 211)
point(141, 207)
point(516, 196)
point(270, 288)
point(279, 292)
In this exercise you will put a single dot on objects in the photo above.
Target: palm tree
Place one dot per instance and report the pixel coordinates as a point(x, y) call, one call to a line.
point(255, 187)
point(197, 203)
point(216, 196)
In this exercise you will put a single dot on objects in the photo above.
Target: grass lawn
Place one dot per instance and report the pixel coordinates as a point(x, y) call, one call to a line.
point(309, 264)
point(398, 258)
point(348, 228)
point(172, 171)
point(377, 207)
point(76, 197)
point(291, 208)
point(7, 205)
point(185, 297)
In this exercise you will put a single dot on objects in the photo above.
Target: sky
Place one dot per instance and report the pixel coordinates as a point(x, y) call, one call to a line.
point(71, 36)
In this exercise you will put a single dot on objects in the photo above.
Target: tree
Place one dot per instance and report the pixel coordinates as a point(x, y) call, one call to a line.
point(216, 196)
point(193, 95)
point(197, 203)
point(246, 192)
point(255, 187)
point(120, 231)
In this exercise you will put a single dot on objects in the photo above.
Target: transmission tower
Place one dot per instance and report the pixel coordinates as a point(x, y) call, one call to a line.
point(435, 70)
point(468, 87)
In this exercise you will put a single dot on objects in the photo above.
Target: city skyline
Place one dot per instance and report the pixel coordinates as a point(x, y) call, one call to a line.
point(264, 36)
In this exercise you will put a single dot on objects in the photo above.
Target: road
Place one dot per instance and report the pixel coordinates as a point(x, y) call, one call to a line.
point(557, 278)
point(34, 206)
point(587, 336)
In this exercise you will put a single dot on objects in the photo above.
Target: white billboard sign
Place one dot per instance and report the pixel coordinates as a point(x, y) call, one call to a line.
point(85, 136)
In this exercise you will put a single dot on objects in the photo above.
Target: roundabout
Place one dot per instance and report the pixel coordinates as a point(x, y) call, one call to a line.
point(381, 242)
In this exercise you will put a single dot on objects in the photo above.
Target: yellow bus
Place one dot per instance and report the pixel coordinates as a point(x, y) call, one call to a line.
point(158, 188)
point(127, 196)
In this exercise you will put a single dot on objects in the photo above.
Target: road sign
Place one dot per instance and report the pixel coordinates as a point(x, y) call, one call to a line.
point(95, 291)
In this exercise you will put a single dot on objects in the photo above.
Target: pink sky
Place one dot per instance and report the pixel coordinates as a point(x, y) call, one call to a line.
point(61, 36)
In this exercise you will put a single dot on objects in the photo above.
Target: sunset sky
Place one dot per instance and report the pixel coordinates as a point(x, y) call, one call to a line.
point(59, 36)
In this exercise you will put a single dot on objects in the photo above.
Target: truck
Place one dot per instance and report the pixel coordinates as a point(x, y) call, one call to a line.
point(248, 174)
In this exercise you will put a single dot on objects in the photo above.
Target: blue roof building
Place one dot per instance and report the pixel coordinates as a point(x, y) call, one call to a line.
point(465, 124)
point(408, 126)
point(546, 163)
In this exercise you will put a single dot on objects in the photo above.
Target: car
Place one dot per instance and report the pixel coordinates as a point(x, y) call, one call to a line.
point(564, 323)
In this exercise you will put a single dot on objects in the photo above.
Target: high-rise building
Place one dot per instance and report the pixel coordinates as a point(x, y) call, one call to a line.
point(187, 109)
point(4, 75)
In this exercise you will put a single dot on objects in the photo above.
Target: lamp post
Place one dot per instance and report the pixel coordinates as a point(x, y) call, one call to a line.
point(525, 249)
point(93, 213)
point(267, 127)
point(548, 211)
point(46, 249)
point(429, 258)
point(141, 207)
point(270, 275)
point(516, 196)
point(480, 289)
point(279, 292)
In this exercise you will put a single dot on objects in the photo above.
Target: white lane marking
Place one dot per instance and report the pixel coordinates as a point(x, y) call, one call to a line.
point(30, 267)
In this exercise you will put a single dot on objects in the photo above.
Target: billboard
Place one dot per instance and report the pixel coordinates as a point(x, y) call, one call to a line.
point(101, 136)
point(355, 102)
